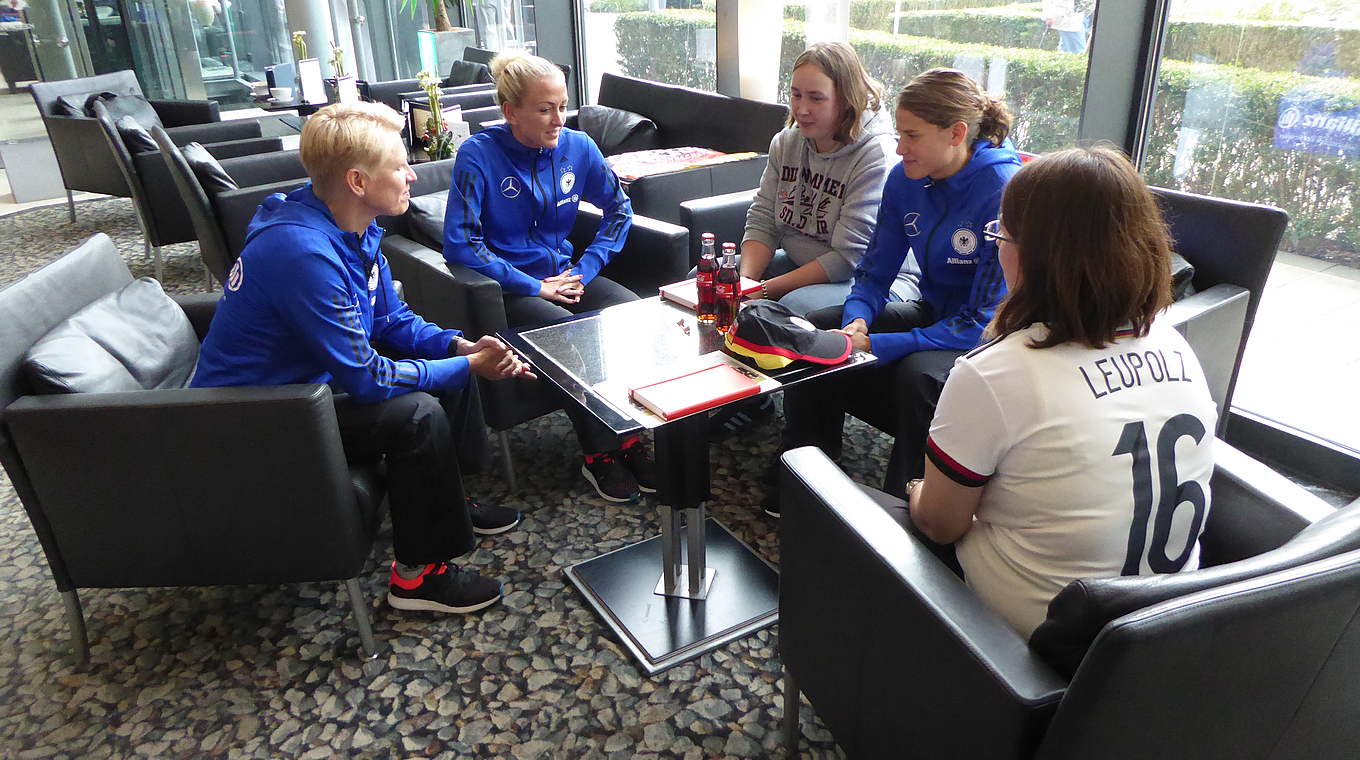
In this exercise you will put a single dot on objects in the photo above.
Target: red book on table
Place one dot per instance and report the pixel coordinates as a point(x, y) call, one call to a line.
point(695, 391)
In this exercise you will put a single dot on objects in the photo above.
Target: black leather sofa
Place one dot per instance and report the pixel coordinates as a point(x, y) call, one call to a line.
point(1256, 655)
point(688, 117)
point(174, 486)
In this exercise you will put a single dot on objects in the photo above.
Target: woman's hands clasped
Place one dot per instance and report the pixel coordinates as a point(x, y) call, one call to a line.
point(562, 288)
point(858, 330)
point(488, 357)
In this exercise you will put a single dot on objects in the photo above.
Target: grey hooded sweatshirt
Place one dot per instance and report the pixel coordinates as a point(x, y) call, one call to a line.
point(822, 205)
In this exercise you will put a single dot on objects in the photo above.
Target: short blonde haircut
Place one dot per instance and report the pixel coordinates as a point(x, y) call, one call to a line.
point(516, 70)
point(856, 91)
point(346, 136)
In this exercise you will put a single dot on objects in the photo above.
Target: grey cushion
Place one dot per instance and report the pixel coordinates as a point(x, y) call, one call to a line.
point(71, 105)
point(135, 106)
point(426, 219)
point(209, 172)
point(134, 339)
point(135, 137)
point(1182, 277)
point(615, 130)
point(467, 72)
point(1079, 612)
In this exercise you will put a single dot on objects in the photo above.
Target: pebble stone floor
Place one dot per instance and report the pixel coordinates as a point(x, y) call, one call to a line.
point(275, 671)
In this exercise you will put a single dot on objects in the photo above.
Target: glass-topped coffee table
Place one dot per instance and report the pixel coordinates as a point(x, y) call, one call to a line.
point(696, 586)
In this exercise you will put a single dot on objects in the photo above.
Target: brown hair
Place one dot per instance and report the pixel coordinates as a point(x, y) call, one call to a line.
point(515, 71)
point(346, 136)
point(1095, 253)
point(855, 89)
point(945, 96)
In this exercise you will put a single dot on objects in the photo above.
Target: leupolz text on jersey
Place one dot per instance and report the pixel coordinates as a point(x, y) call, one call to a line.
point(1133, 369)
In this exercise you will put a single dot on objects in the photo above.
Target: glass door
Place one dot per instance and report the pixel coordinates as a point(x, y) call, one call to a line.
point(1258, 102)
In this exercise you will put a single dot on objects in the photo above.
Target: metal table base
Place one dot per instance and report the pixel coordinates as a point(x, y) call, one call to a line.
point(663, 631)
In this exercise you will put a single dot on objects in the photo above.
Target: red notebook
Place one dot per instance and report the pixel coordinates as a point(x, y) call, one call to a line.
point(686, 292)
point(695, 391)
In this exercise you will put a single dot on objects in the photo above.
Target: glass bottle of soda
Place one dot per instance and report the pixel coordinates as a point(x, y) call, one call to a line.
point(708, 267)
point(727, 287)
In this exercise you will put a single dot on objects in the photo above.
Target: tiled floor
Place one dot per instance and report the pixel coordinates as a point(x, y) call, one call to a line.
point(1302, 365)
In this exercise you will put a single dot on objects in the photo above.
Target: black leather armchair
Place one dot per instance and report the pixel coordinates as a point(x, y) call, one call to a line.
point(455, 296)
point(151, 505)
point(159, 206)
point(246, 171)
point(83, 153)
point(901, 659)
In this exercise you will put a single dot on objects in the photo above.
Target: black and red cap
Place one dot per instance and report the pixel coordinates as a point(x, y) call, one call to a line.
point(775, 337)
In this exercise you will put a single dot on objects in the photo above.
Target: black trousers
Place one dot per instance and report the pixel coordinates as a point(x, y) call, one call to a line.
point(898, 398)
point(524, 311)
point(423, 439)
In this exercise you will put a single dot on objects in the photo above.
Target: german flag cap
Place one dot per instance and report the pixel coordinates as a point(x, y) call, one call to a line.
point(767, 332)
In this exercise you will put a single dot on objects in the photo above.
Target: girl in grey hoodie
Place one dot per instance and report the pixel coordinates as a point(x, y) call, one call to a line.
point(813, 214)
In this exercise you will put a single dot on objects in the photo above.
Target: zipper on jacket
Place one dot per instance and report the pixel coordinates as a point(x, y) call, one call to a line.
point(925, 261)
point(543, 213)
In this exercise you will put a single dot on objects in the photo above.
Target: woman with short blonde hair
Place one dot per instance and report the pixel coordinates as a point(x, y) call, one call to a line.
point(344, 136)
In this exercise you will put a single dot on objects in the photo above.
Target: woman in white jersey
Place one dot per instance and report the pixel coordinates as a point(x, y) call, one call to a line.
point(1077, 442)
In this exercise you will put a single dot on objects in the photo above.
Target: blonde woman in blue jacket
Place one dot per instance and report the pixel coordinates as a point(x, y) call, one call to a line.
point(512, 203)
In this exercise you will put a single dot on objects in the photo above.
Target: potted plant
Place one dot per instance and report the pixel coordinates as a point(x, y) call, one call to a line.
point(443, 44)
point(436, 131)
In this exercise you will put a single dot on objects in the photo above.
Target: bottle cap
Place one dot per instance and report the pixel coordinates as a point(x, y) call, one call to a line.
point(707, 237)
point(729, 246)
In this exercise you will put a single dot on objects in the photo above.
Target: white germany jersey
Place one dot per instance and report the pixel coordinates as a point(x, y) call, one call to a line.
point(1096, 463)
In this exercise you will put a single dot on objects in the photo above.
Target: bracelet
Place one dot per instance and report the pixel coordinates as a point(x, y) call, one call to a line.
point(911, 486)
point(764, 293)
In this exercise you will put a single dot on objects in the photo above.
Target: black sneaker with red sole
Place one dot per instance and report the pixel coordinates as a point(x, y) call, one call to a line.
point(442, 587)
point(611, 480)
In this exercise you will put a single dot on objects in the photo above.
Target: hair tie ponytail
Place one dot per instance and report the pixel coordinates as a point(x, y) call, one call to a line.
point(995, 123)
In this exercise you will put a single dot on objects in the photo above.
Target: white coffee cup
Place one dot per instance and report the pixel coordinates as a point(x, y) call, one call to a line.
point(281, 94)
point(259, 88)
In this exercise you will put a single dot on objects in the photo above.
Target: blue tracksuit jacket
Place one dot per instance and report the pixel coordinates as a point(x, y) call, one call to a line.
point(940, 224)
point(306, 302)
point(511, 208)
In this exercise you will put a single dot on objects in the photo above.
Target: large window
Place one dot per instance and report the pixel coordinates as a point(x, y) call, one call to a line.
point(672, 41)
point(1033, 55)
point(1260, 101)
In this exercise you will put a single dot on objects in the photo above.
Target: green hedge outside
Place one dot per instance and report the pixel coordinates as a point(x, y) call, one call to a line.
point(1269, 46)
point(1233, 158)
point(663, 47)
point(877, 14)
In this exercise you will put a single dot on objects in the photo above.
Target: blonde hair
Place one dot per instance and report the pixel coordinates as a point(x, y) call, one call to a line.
point(858, 91)
point(945, 96)
point(516, 70)
point(346, 136)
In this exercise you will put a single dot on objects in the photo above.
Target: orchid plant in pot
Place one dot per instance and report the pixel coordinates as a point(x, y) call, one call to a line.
point(435, 137)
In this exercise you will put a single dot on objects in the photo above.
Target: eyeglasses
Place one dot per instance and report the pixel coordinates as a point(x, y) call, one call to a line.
point(992, 231)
